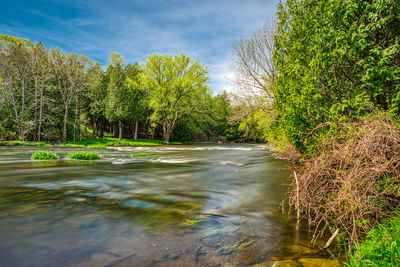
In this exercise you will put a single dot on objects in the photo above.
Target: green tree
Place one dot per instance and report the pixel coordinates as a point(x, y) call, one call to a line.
point(335, 59)
point(97, 96)
point(115, 92)
point(70, 78)
point(15, 59)
point(177, 87)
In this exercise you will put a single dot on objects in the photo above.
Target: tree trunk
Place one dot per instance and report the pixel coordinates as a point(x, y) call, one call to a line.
point(94, 126)
point(22, 131)
point(164, 127)
point(75, 119)
point(136, 129)
point(35, 114)
point(65, 124)
point(169, 128)
point(167, 135)
point(101, 127)
point(40, 112)
point(79, 122)
point(120, 130)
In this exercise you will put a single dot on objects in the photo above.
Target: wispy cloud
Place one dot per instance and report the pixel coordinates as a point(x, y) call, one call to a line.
point(203, 29)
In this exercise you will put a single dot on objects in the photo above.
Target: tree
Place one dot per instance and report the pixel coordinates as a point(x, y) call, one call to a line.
point(254, 67)
point(97, 95)
point(15, 58)
point(41, 75)
point(336, 60)
point(177, 87)
point(70, 77)
point(136, 97)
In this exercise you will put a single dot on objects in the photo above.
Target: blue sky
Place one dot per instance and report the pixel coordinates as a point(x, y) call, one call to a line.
point(205, 30)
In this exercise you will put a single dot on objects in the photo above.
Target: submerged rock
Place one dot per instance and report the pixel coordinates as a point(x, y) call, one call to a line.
point(220, 231)
point(311, 262)
point(301, 250)
point(285, 263)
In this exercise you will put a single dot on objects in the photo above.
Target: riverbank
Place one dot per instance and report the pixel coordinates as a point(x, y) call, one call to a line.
point(349, 187)
point(101, 143)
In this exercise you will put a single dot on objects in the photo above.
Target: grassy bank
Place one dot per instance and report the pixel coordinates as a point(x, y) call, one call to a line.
point(381, 247)
point(101, 143)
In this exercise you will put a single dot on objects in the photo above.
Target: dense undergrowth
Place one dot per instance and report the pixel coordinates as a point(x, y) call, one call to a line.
point(353, 180)
point(337, 102)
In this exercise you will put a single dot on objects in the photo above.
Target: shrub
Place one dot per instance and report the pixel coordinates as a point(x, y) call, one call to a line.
point(43, 155)
point(352, 183)
point(85, 155)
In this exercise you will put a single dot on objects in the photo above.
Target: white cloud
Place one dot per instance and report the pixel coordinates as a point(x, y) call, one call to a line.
point(203, 29)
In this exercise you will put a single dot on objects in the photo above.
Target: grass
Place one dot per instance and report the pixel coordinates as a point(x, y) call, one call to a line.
point(140, 154)
point(106, 142)
point(101, 143)
point(26, 143)
point(44, 155)
point(85, 155)
point(381, 247)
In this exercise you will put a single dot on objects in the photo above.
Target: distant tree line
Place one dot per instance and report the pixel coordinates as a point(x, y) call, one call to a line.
point(50, 95)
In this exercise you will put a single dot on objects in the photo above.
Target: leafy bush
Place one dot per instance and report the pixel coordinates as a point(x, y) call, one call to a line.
point(85, 155)
point(381, 247)
point(43, 155)
point(334, 60)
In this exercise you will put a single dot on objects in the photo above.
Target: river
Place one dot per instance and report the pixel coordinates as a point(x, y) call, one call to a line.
point(200, 205)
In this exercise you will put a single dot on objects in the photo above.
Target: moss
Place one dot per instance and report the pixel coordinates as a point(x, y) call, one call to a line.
point(190, 223)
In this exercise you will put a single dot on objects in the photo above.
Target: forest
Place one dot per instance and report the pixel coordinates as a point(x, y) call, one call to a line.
point(53, 96)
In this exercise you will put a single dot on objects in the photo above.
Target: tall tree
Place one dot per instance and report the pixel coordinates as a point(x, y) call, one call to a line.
point(119, 98)
point(177, 84)
point(97, 95)
point(15, 58)
point(136, 97)
point(253, 62)
point(41, 75)
point(70, 77)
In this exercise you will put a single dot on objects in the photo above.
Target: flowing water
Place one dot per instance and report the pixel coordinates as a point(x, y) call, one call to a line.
point(203, 205)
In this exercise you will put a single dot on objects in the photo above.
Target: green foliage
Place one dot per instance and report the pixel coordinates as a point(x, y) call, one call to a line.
point(44, 155)
point(50, 95)
point(381, 247)
point(336, 59)
point(208, 123)
point(84, 155)
point(177, 88)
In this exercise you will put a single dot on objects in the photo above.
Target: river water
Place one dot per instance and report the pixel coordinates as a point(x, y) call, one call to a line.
point(203, 205)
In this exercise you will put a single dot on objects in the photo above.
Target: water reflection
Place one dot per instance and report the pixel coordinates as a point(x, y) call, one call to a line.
point(201, 205)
